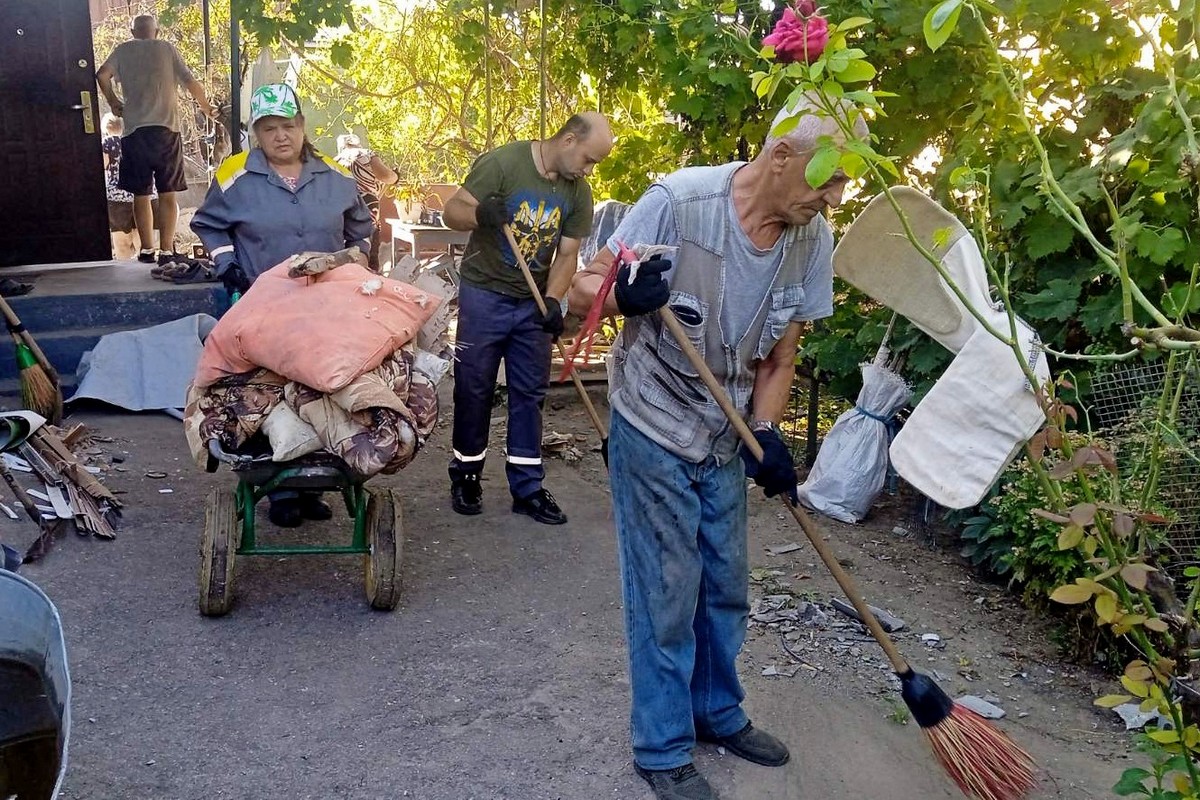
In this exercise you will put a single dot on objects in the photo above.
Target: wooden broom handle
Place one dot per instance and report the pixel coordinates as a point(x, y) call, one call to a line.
point(562, 353)
point(14, 321)
point(810, 528)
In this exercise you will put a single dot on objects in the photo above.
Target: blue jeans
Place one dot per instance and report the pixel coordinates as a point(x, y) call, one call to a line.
point(681, 531)
point(493, 326)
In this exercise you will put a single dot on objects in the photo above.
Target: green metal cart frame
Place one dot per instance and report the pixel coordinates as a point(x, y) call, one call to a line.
point(230, 532)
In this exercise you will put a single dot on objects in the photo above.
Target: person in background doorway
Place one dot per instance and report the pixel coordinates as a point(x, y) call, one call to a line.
point(539, 189)
point(148, 70)
point(372, 176)
point(120, 202)
point(751, 265)
point(280, 198)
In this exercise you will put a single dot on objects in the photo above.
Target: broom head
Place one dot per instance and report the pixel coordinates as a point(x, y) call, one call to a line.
point(978, 756)
point(38, 392)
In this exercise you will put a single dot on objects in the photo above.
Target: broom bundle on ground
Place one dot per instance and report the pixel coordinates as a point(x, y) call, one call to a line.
point(977, 756)
point(40, 388)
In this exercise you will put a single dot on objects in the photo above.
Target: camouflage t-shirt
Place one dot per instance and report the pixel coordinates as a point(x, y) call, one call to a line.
point(541, 213)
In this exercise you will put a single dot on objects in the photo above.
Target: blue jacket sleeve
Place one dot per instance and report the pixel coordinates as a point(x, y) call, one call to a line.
point(213, 224)
point(358, 225)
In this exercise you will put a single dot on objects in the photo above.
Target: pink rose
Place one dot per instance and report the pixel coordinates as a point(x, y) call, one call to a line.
point(799, 36)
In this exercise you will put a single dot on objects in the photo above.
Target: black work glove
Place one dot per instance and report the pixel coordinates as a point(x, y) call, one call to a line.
point(235, 280)
point(492, 211)
point(777, 472)
point(649, 290)
point(552, 320)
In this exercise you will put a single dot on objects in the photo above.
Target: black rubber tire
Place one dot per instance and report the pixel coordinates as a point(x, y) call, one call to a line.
point(385, 537)
point(218, 546)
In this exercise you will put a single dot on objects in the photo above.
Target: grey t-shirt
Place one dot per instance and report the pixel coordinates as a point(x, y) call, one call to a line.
point(748, 270)
point(148, 71)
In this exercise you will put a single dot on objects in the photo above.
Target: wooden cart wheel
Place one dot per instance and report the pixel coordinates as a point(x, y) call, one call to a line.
point(385, 537)
point(218, 545)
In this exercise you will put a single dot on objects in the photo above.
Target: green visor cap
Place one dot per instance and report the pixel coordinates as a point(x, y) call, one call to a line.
point(274, 100)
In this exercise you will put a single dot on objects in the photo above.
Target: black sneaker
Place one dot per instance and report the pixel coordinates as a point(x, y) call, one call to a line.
point(148, 257)
point(681, 783)
point(314, 508)
point(753, 745)
point(541, 506)
point(466, 495)
point(285, 513)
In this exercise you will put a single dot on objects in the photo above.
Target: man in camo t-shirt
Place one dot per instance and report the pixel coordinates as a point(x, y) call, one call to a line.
point(540, 190)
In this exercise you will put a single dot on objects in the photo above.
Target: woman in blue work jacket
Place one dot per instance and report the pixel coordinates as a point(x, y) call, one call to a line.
point(280, 198)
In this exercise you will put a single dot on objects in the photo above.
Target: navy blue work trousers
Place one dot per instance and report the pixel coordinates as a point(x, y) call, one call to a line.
point(494, 327)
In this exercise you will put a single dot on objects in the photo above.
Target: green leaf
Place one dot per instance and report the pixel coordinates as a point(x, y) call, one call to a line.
point(854, 165)
point(962, 177)
point(1112, 700)
point(1106, 608)
point(1072, 594)
point(822, 165)
point(1046, 234)
point(1176, 302)
point(786, 125)
point(1070, 537)
point(1164, 736)
point(1159, 247)
point(856, 72)
point(1135, 687)
point(888, 165)
point(1058, 301)
point(851, 23)
point(864, 98)
point(940, 22)
point(1131, 782)
point(341, 53)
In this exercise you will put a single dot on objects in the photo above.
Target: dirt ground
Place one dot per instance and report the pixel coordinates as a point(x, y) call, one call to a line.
point(502, 674)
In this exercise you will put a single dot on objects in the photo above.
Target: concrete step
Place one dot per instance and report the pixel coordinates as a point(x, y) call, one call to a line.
point(64, 348)
point(70, 309)
point(123, 310)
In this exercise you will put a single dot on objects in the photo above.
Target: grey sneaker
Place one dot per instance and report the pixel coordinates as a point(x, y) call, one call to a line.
point(681, 783)
point(753, 745)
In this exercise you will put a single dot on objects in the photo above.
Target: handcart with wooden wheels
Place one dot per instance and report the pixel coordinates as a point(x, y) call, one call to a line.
point(229, 524)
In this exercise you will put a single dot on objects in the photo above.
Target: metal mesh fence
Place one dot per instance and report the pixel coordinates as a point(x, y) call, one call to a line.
point(1124, 410)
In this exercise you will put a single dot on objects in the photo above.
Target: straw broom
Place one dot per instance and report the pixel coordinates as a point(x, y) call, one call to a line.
point(978, 757)
point(562, 353)
point(40, 388)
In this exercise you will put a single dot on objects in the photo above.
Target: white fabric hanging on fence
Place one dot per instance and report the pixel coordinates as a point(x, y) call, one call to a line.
point(979, 413)
point(851, 466)
point(976, 417)
point(876, 257)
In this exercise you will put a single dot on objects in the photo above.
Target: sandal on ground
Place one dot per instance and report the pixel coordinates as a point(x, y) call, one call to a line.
point(11, 288)
point(173, 270)
point(194, 272)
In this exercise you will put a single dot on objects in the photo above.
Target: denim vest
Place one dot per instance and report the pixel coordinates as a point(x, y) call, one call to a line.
point(651, 382)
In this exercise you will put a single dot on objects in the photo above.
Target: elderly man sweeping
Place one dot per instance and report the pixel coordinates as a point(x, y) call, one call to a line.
point(752, 265)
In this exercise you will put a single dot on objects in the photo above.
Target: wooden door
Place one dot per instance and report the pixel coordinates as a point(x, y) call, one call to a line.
point(52, 202)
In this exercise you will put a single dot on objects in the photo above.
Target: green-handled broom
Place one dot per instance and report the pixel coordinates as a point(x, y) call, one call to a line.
point(41, 391)
point(980, 758)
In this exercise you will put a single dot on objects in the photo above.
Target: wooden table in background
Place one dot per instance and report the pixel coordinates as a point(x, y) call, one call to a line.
point(420, 238)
